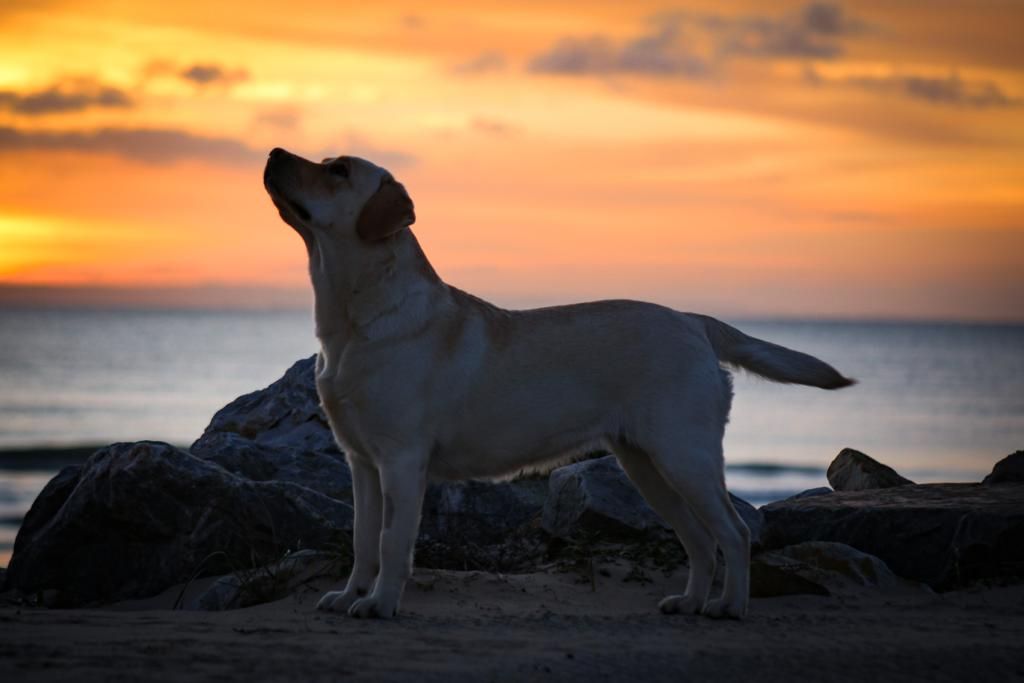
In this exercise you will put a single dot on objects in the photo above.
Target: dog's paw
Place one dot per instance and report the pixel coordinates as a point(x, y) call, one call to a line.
point(374, 606)
point(338, 601)
point(720, 609)
point(680, 604)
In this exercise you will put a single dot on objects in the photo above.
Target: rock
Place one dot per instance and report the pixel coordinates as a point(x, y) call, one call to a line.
point(810, 493)
point(945, 535)
point(263, 584)
point(772, 576)
point(321, 471)
point(595, 495)
point(1009, 469)
point(279, 433)
point(480, 512)
point(752, 517)
point(821, 568)
point(854, 471)
point(140, 517)
point(831, 561)
point(285, 413)
point(46, 506)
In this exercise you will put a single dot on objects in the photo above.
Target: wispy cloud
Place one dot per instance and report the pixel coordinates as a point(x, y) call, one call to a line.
point(485, 62)
point(152, 146)
point(951, 90)
point(816, 31)
point(284, 117)
point(695, 45)
point(71, 95)
point(203, 75)
point(661, 51)
point(493, 126)
point(200, 75)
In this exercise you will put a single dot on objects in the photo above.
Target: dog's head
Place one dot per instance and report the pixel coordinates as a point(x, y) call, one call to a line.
point(339, 199)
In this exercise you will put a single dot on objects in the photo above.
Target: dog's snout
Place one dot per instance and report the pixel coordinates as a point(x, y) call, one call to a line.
point(276, 152)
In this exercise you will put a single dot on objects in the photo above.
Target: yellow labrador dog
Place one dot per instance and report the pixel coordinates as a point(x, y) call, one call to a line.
point(420, 380)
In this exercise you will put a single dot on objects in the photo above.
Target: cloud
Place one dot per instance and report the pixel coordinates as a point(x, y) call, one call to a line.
point(203, 75)
point(68, 96)
point(951, 90)
point(167, 146)
point(413, 22)
point(659, 52)
point(694, 45)
point(152, 146)
point(281, 118)
point(485, 62)
point(493, 127)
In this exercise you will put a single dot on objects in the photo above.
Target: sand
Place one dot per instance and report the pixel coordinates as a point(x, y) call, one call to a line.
point(471, 626)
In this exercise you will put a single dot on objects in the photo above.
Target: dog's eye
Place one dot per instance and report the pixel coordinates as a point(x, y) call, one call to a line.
point(339, 170)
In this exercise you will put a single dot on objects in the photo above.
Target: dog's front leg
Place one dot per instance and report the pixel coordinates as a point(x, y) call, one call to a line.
point(368, 503)
point(403, 482)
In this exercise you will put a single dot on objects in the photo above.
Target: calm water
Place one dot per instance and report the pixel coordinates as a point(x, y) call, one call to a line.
point(938, 402)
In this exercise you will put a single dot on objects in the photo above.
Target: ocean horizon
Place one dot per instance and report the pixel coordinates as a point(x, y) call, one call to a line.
point(938, 401)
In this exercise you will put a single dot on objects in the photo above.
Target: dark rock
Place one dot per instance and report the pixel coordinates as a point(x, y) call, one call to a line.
point(821, 568)
point(319, 470)
point(854, 471)
point(836, 564)
point(752, 517)
point(142, 517)
point(246, 588)
point(46, 505)
point(285, 413)
point(772, 576)
point(480, 512)
point(809, 493)
point(1009, 469)
point(945, 535)
point(595, 495)
point(279, 433)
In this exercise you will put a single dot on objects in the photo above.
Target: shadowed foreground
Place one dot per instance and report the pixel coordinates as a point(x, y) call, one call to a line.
point(543, 626)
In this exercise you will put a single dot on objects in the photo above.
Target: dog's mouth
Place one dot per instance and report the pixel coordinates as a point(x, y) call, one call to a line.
point(283, 202)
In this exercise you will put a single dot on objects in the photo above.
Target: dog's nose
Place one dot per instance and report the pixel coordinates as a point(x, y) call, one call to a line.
point(277, 151)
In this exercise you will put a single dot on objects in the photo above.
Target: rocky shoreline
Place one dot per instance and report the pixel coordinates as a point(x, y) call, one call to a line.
point(266, 492)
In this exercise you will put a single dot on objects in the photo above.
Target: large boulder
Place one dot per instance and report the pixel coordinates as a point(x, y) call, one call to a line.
point(597, 496)
point(854, 471)
point(319, 470)
point(137, 518)
point(279, 433)
point(286, 413)
point(1009, 469)
point(945, 535)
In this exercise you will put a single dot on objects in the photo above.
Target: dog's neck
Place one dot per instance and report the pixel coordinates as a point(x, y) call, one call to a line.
point(387, 294)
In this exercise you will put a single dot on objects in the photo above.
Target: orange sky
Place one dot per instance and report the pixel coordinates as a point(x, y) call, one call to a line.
point(739, 158)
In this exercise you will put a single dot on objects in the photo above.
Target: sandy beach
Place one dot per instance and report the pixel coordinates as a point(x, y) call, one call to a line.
point(541, 626)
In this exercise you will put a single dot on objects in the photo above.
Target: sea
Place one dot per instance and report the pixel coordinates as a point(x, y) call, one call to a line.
point(937, 401)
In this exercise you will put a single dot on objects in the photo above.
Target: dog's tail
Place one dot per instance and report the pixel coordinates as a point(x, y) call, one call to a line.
point(768, 360)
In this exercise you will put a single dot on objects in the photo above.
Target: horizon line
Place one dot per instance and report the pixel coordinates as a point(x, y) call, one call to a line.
point(216, 297)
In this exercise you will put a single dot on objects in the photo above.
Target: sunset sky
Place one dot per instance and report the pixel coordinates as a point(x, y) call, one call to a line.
point(738, 158)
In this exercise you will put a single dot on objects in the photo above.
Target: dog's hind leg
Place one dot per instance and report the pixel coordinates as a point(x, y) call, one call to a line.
point(695, 537)
point(367, 503)
point(695, 471)
point(403, 482)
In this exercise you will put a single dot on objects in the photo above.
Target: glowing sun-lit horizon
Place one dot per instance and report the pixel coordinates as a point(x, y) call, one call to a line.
point(839, 159)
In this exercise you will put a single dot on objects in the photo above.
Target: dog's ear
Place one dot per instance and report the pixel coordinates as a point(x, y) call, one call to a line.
point(386, 212)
